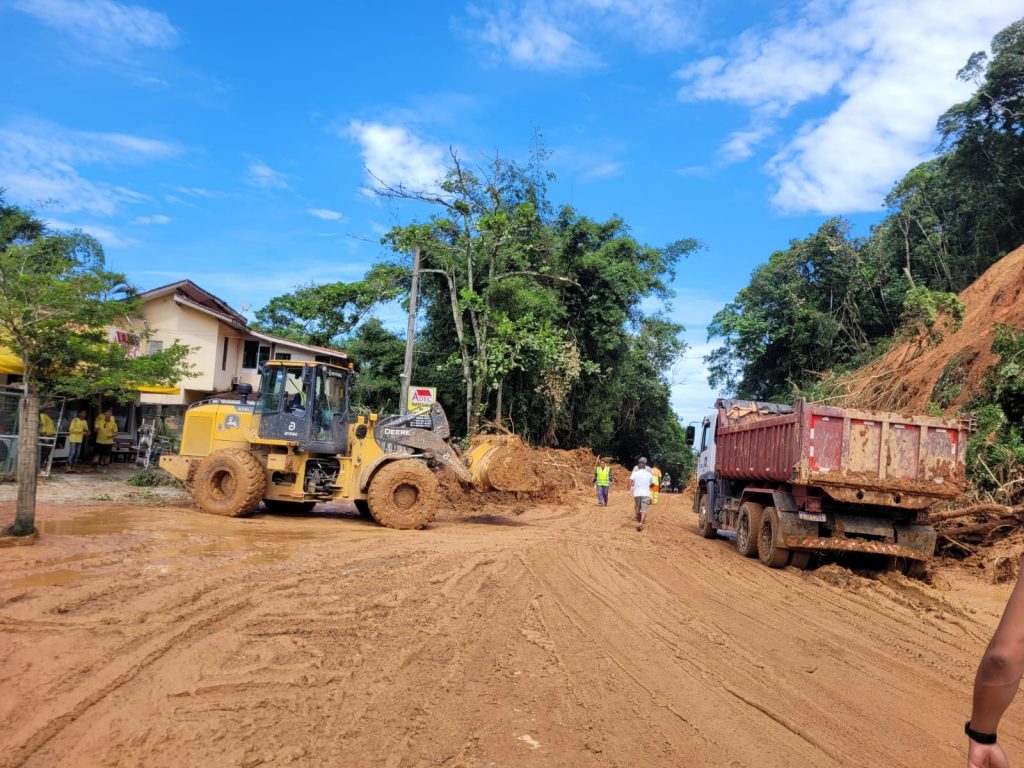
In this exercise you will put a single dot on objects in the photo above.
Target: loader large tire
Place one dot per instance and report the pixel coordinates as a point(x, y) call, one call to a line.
point(403, 494)
point(229, 482)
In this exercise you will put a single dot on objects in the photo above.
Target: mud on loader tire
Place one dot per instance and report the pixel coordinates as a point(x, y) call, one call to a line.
point(403, 494)
point(229, 482)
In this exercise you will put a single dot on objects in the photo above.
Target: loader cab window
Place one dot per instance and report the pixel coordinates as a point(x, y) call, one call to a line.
point(328, 400)
point(706, 437)
point(281, 389)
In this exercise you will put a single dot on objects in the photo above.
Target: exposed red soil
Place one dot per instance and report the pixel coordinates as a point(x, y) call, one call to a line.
point(904, 378)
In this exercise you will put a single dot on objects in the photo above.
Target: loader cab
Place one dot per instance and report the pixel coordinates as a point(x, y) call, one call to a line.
point(305, 403)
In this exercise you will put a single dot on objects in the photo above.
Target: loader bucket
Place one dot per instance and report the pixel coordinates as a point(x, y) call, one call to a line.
point(502, 463)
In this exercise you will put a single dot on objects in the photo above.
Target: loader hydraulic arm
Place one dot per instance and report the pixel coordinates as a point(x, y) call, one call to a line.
point(433, 442)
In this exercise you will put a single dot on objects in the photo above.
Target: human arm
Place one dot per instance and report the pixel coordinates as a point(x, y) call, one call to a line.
point(997, 680)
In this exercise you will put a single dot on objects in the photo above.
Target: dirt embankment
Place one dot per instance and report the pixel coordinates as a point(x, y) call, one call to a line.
point(911, 375)
point(138, 634)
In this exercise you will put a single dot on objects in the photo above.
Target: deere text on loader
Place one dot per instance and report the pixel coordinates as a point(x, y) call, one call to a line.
point(298, 444)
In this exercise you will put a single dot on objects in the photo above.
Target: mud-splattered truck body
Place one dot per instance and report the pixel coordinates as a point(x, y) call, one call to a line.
point(794, 480)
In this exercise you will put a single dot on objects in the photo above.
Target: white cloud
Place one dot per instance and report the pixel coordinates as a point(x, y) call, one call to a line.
point(108, 236)
point(326, 214)
point(397, 157)
point(259, 174)
point(551, 34)
point(208, 194)
point(39, 162)
point(104, 25)
point(891, 67)
point(157, 218)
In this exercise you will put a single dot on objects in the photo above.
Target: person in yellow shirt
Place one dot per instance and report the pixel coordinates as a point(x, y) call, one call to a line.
point(77, 431)
point(106, 428)
point(655, 484)
point(46, 428)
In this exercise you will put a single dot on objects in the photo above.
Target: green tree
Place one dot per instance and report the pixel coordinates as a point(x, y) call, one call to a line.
point(57, 304)
point(322, 313)
point(380, 356)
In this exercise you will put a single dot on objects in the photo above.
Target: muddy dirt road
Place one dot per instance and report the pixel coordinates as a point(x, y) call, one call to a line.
point(156, 636)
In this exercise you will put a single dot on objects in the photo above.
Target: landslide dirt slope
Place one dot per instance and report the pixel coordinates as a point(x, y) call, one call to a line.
point(906, 376)
point(558, 636)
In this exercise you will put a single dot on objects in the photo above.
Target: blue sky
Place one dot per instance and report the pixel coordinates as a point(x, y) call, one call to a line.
point(228, 142)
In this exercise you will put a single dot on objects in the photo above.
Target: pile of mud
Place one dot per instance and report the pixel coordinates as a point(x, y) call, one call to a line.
point(985, 539)
point(518, 474)
point(911, 374)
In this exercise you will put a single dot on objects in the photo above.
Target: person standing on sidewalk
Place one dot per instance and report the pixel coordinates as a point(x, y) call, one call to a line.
point(77, 431)
point(996, 683)
point(640, 484)
point(602, 482)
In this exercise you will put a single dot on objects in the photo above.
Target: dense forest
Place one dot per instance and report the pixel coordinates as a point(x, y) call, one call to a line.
point(830, 302)
point(531, 317)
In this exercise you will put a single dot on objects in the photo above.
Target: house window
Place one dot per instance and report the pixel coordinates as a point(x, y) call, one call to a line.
point(254, 355)
point(154, 347)
point(283, 356)
point(323, 358)
point(224, 357)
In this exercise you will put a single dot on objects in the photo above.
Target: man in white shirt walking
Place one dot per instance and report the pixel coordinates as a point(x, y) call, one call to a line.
point(640, 484)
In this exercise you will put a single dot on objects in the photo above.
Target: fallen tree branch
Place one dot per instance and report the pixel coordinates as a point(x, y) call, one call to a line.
point(1000, 509)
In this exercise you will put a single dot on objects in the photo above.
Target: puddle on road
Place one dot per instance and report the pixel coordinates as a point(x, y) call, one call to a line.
point(169, 540)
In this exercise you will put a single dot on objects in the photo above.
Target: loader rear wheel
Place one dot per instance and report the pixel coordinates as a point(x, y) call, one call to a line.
point(771, 554)
point(281, 507)
point(402, 494)
point(363, 508)
point(229, 482)
point(704, 525)
point(748, 526)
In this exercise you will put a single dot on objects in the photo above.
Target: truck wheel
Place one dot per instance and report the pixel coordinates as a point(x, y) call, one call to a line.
point(915, 569)
point(704, 525)
point(402, 494)
point(770, 553)
point(229, 482)
point(801, 560)
point(363, 508)
point(747, 527)
point(279, 506)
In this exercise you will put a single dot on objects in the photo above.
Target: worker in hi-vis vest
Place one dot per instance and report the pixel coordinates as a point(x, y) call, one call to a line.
point(655, 484)
point(602, 482)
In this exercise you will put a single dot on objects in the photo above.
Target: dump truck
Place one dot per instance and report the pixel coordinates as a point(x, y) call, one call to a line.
point(298, 443)
point(792, 481)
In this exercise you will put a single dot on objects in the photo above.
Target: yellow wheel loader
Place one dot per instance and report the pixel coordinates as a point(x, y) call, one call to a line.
point(297, 443)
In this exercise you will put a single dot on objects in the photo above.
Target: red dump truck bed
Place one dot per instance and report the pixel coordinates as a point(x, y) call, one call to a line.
point(855, 456)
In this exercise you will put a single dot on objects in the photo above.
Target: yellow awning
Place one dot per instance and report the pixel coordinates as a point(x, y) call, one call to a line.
point(161, 390)
point(10, 362)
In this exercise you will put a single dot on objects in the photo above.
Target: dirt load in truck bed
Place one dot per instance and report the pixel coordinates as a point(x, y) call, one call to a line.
point(142, 632)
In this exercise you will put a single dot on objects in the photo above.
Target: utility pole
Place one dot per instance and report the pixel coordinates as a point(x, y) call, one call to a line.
point(410, 332)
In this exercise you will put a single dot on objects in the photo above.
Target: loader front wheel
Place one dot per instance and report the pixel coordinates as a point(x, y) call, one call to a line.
point(403, 494)
point(229, 482)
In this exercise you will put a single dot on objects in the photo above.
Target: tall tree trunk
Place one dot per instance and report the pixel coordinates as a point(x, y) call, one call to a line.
point(28, 463)
point(497, 408)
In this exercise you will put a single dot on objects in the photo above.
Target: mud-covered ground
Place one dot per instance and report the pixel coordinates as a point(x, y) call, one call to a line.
point(139, 632)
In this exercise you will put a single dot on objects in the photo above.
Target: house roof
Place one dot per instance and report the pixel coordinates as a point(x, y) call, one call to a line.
point(189, 294)
point(298, 345)
point(195, 295)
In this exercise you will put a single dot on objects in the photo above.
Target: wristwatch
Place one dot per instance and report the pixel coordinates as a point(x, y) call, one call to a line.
point(978, 736)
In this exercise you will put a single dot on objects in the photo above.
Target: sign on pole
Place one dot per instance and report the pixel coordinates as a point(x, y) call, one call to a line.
point(418, 400)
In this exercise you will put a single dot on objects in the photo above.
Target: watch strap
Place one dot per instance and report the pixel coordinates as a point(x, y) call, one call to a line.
point(978, 736)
